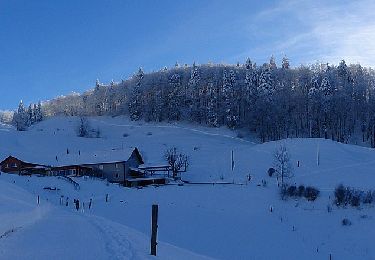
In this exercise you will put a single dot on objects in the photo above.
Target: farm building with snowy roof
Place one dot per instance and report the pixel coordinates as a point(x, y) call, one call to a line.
point(116, 165)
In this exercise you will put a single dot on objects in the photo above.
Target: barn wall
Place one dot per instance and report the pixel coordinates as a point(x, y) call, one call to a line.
point(110, 171)
point(13, 165)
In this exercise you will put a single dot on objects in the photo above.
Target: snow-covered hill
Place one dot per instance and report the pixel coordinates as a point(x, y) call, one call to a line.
point(219, 221)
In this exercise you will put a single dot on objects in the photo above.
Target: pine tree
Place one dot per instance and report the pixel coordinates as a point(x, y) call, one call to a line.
point(174, 98)
point(30, 114)
point(266, 87)
point(212, 106)
point(193, 98)
point(38, 112)
point(135, 102)
point(230, 111)
point(272, 64)
point(21, 118)
point(285, 63)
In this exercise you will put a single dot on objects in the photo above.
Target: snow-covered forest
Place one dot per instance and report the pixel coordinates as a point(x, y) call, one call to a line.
point(274, 101)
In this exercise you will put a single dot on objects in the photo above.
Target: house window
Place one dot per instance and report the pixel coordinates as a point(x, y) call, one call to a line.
point(117, 165)
point(101, 167)
point(7, 166)
point(116, 175)
point(14, 165)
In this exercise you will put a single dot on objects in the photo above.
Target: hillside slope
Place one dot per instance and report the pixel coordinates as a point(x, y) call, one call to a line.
point(220, 221)
point(47, 231)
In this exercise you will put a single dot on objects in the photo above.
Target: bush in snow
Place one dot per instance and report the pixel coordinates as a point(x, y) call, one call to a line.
point(301, 190)
point(346, 222)
point(340, 194)
point(355, 200)
point(348, 196)
point(271, 171)
point(310, 193)
point(368, 197)
point(292, 191)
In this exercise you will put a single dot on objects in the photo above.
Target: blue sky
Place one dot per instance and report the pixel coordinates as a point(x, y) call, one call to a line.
point(51, 48)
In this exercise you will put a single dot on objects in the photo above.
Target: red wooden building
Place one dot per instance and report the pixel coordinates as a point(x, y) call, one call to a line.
point(14, 165)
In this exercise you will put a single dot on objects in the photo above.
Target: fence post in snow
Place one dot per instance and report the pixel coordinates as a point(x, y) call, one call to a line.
point(38, 200)
point(154, 229)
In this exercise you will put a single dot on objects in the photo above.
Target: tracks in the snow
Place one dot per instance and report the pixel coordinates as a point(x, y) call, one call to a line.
point(116, 242)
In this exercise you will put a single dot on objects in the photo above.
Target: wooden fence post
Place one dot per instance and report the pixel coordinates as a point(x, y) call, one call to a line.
point(154, 229)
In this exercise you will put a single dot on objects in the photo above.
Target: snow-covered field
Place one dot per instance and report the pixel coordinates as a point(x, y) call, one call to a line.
point(218, 221)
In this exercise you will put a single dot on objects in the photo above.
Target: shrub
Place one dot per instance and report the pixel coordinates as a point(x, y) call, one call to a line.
point(355, 200)
point(311, 193)
point(368, 198)
point(301, 190)
point(349, 196)
point(271, 172)
point(340, 195)
point(346, 222)
point(292, 191)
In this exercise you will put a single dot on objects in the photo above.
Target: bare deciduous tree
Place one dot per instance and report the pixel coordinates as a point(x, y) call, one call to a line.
point(178, 161)
point(282, 163)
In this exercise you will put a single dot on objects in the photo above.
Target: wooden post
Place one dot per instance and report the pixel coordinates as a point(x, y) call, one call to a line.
point(154, 229)
point(330, 256)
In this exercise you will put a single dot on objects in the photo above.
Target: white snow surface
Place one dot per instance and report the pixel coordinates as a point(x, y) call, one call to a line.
point(221, 221)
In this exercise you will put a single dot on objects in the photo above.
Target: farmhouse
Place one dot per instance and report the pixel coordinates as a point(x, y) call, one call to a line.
point(14, 165)
point(115, 165)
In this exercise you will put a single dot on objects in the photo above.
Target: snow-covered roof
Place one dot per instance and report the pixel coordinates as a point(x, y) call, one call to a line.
point(78, 157)
point(150, 166)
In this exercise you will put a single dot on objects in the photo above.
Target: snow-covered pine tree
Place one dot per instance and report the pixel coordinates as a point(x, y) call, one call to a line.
point(229, 104)
point(212, 106)
point(250, 94)
point(38, 112)
point(266, 86)
point(21, 118)
point(193, 98)
point(135, 102)
point(31, 115)
point(285, 63)
point(273, 65)
point(174, 97)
